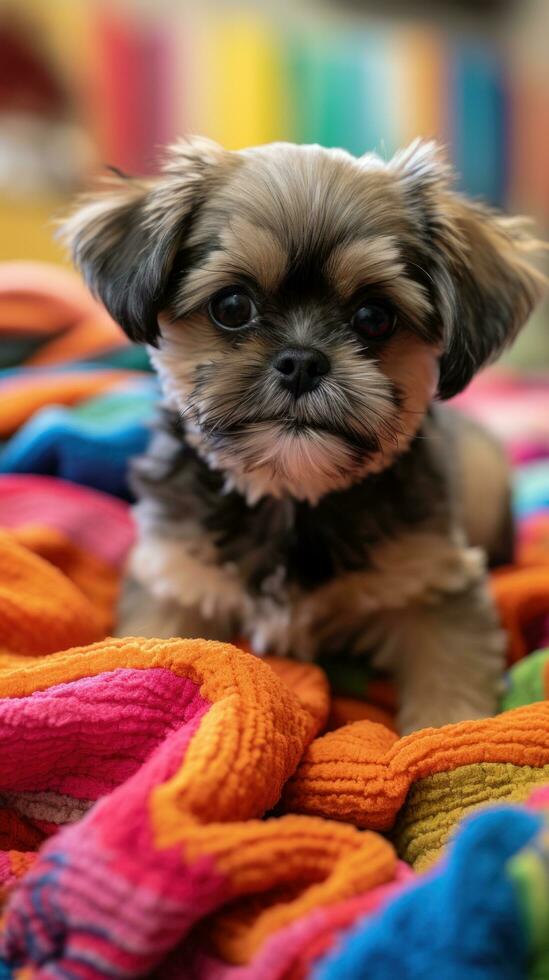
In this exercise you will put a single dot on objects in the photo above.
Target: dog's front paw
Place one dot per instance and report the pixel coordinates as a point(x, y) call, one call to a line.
point(450, 664)
point(140, 613)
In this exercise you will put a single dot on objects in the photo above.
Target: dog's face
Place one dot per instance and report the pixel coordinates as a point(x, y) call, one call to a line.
point(305, 306)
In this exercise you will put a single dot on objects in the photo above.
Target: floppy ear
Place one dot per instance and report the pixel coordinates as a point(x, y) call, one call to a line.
point(125, 239)
point(481, 285)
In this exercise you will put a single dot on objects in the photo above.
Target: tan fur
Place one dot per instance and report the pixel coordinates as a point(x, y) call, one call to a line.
point(368, 262)
point(416, 567)
point(413, 366)
point(424, 612)
point(94, 213)
point(246, 250)
point(484, 486)
point(305, 468)
point(307, 193)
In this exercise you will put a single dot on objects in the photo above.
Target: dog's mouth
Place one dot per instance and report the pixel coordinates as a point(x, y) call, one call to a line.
point(362, 443)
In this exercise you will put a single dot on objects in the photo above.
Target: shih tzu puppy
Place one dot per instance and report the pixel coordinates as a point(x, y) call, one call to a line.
point(304, 310)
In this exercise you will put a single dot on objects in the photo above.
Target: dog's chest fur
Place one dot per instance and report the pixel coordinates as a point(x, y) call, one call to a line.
point(302, 545)
point(207, 548)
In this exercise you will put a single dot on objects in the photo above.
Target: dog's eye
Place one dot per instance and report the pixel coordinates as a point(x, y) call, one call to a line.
point(232, 308)
point(374, 321)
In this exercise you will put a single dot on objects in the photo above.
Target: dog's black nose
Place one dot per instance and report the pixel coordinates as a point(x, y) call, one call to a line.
point(300, 369)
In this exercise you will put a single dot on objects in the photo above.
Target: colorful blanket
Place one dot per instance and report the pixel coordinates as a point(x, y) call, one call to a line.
point(182, 809)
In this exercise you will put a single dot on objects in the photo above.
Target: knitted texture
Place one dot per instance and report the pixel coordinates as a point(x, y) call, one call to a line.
point(483, 938)
point(70, 353)
point(364, 774)
point(184, 747)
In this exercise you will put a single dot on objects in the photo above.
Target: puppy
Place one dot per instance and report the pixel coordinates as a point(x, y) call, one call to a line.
point(304, 309)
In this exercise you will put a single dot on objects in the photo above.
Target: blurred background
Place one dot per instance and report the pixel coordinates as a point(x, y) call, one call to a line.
point(90, 83)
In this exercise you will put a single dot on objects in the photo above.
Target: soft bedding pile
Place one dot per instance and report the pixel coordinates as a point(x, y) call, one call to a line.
point(182, 809)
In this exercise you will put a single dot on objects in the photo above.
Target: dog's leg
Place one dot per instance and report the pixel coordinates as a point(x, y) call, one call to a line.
point(140, 613)
point(447, 658)
point(170, 590)
point(426, 616)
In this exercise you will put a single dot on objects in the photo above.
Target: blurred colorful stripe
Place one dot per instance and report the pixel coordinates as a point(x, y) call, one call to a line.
point(244, 75)
point(479, 114)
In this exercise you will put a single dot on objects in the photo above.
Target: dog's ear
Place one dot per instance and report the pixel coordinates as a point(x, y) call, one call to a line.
point(125, 238)
point(481, 285)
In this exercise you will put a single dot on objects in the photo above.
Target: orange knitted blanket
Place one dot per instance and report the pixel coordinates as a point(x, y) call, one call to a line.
point(188, 744)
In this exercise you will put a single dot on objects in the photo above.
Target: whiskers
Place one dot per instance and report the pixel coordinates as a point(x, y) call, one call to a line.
point(366, 416)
